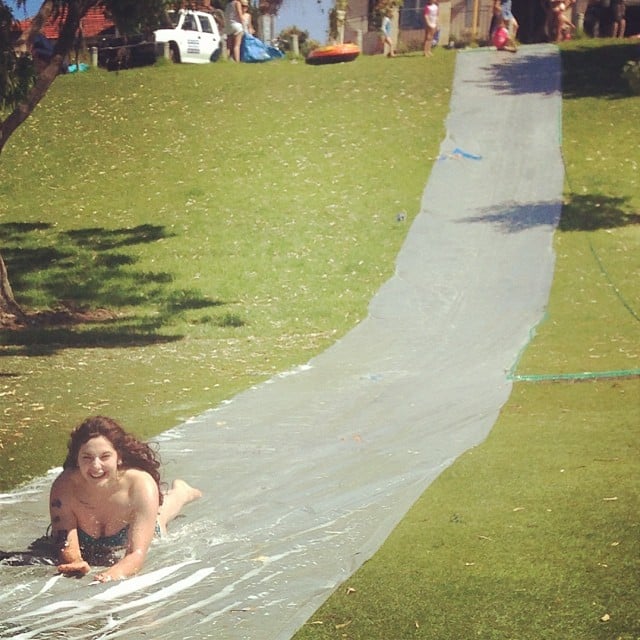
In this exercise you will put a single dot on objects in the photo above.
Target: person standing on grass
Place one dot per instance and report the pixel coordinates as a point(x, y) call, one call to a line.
point(559, 25)
point(234, 27)
point(108, 499)
point(247, 22)
point(619, 15)
point(385, 34)
point(431, 11)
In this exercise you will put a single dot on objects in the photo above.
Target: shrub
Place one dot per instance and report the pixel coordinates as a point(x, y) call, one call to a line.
point(631, 73)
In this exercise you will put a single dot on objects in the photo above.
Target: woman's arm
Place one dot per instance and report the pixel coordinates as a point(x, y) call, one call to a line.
point(64, 528)
point(145, 502)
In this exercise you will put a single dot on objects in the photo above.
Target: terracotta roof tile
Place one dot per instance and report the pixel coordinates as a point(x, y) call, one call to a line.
point(94, 23)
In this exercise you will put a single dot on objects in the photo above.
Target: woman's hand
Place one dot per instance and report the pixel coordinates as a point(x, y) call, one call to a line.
point(78, 567)
point(105, 576)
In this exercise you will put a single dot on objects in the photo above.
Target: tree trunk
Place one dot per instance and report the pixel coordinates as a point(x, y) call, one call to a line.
point(64, 44)
point(10, 311)
point(24, 109)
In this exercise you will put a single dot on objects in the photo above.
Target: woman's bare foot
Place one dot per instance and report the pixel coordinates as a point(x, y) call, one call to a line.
point(177, 497)
point(190, 493)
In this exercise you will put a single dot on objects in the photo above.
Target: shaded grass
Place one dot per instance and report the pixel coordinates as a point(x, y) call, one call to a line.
point(234, 220)
point(533, 535)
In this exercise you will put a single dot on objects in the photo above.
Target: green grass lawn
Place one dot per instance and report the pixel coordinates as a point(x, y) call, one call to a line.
point(230, 221)
point(534, 534)
point(234, 220)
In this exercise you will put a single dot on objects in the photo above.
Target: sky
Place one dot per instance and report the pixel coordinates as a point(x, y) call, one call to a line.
point(308, 15)
point(19, 14)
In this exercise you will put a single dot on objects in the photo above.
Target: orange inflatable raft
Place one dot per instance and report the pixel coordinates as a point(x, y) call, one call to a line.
point(332, 53)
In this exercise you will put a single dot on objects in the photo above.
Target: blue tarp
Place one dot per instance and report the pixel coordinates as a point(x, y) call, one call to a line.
point(254, 50)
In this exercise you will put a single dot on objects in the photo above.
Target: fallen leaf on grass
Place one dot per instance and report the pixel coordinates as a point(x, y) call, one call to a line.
point(343, 625)
point(610, 499)
point(605, 618)
point(350, 590)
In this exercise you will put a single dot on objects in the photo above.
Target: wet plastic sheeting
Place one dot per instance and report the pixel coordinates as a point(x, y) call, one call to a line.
point(306, 475)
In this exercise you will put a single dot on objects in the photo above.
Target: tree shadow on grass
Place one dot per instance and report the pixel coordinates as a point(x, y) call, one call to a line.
point(596, 211)
point(581, 213)
point(96, 297)
point(597, 72)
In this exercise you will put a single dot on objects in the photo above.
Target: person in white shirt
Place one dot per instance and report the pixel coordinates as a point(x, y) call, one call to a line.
point(431, 25)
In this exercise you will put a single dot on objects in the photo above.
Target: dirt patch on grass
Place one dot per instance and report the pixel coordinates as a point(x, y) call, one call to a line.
point(66, 314)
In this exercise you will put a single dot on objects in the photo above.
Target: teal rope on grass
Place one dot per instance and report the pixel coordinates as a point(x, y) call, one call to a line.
point(585, 375)
point(566, 377)
point(605, 273)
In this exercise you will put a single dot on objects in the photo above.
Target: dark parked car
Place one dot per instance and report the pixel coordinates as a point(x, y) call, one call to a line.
point(116, 53)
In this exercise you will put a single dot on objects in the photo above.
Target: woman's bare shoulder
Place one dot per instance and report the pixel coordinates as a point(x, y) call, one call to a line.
point(139, 480)
point(64, 487)
point(65, 478)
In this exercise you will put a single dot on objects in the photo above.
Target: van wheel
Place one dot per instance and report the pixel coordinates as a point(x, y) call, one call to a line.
point(174, 52)
point(215, 56)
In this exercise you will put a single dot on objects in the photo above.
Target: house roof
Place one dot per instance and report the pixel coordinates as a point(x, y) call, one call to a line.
point(93, 24)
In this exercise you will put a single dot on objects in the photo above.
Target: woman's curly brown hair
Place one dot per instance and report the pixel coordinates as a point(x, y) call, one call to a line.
point(133, 453)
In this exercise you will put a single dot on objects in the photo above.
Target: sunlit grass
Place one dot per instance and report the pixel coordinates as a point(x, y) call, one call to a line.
point(234, 220)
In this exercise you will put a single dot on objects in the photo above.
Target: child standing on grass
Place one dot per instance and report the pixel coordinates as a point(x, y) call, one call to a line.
point(385, 34)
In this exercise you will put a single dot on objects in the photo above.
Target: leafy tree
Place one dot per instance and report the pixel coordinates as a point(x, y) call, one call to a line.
point(285, 36)
point(22, 85)
point(305, 43)
point(16, 73)
point(269, 7)
point(378, 8)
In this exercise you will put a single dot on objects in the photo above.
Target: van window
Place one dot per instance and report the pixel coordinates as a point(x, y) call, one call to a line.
point(189, 23)
point(205, 24)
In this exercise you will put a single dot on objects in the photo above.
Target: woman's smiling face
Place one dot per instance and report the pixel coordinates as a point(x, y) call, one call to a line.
point(98, 460)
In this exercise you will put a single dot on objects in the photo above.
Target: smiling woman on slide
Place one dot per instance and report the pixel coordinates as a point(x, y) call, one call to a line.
point(108, 498)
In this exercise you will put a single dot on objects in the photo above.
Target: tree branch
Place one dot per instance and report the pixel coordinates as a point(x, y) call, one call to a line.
point(64, 44)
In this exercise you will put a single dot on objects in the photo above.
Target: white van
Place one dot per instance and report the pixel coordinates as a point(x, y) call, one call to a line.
point(193, 36)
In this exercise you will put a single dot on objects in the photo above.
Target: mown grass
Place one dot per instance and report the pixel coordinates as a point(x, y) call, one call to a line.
point(232, 221)
point(534, 534)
